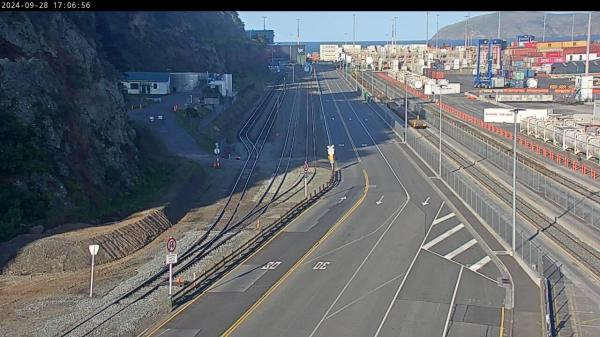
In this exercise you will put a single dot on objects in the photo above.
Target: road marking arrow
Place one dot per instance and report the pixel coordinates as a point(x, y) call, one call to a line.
point(343, 198)
point(380, 201)
point(426, 202)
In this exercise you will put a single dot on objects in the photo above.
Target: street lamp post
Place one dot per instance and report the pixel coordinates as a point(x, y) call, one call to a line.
point(573, 28)
point(544, 29)
point(440, 158)
point(405, 109)
point(514, 184)
point(437, 28)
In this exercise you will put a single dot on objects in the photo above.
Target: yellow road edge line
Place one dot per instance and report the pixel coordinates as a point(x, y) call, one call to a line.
point(248, 312)
point(181, 309)
point(501, 322)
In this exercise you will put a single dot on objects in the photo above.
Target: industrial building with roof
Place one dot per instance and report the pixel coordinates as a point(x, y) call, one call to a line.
point(146, 83)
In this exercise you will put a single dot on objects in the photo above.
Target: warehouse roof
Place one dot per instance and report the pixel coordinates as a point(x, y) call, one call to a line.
point(146, 76)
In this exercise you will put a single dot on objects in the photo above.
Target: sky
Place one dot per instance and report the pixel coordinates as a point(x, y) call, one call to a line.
point(337, 26)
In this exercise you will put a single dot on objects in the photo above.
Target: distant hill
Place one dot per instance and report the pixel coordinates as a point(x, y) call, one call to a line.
point(558, 26)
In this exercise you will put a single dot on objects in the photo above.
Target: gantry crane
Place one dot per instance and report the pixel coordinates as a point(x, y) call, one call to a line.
point(485, 80)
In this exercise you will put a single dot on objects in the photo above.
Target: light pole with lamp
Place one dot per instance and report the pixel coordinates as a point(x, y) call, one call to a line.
point(440, 158)
point(514, 184)
point(405, 109)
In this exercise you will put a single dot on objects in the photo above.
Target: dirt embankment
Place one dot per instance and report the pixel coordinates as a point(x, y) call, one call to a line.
point(69, 251)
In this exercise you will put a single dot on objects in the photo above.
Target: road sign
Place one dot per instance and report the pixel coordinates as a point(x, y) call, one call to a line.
point(217, 151)
point(171, 258)
point(171, 244)
point(330, 149)
point(94, 249)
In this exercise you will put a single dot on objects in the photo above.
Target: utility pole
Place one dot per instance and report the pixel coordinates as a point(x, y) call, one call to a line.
point(427, 31)
point(405, 109)
point(587, 49)
point(264, 23)
point(437, 34)
point(298, 32)
point(499, 16)
point(440, 158)
point(514, 194)
point(544, 31)
point(573, 28)
point(353, 31)
point(395, 31)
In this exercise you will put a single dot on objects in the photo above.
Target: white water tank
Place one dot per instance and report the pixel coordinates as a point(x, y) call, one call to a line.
point(417, 84)
point(532, 83)
point(443, 81)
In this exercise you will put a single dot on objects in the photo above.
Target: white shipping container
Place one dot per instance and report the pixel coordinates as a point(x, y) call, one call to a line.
point(593, 150)
point(369, 60)
point(500, 115)
point(580, 57)
point(524, 98)
point(427, 89)
point(450, 88)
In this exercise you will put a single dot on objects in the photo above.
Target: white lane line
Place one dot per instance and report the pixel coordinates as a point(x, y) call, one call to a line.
point(399, 210)
point(363, 296)
point(479, 264)
point(387, 312)
point(460, 249)
point(443, 236)
point(445, 332)
point(442, 219)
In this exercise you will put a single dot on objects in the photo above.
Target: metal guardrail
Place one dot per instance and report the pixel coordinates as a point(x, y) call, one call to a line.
point(196, 287)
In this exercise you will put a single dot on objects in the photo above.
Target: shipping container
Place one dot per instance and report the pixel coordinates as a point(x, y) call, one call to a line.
point(574, 44)
point(530, 44)
point(522, 51)
point(553, 53)
point(546, 45)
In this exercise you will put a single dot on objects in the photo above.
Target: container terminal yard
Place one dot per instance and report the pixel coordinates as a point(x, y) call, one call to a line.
point(436, 187)
point(552, 89)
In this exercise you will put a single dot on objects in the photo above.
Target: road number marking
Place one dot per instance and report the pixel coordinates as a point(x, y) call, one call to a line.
point(271, 265)
point(321, 265)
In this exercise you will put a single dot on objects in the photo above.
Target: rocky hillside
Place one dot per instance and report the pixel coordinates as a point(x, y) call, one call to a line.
point(520, 23)
point(65, 142)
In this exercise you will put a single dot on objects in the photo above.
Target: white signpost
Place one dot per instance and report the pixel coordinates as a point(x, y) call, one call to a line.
point(93, 250)
point(171, 259)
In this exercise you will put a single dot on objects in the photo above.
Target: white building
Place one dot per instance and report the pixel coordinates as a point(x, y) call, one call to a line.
point(224, 82)
point(146, 83)
point(329, 52)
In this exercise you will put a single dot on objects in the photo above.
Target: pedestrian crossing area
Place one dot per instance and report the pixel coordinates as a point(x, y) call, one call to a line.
point(450, 239)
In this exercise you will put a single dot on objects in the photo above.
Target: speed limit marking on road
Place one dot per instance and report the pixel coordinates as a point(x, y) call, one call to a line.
point(171, 244)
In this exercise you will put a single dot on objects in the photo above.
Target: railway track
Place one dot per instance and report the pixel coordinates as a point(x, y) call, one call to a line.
point(586, 255)
point(582, 190)
point(203, 246)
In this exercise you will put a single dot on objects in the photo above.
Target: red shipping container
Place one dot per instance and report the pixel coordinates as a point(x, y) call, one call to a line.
point(517, 58)
point(553, 54)
point(574, 50)
point(530, 44)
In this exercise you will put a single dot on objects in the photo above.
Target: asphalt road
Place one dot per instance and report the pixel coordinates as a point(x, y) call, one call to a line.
point(402, 263)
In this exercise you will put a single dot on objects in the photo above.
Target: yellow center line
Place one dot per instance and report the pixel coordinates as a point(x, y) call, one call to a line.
point(248, 312)
point(186, 305)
